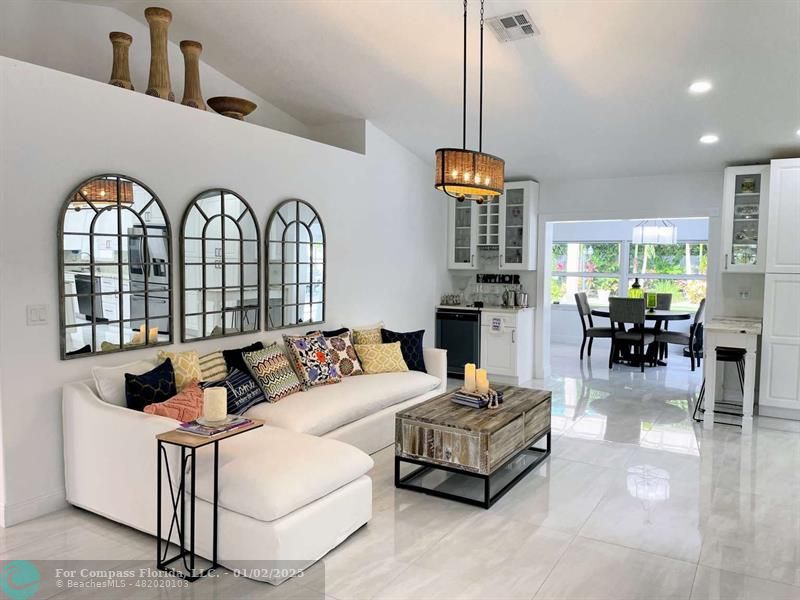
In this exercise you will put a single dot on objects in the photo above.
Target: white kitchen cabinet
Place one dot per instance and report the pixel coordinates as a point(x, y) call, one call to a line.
point(744, 219)
point(780, 346)
point(507, 345)
point(462, 239)
point(519, 205)
point(783, 247)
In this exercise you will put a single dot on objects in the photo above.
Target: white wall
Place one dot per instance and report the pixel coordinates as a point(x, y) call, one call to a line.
point(73, 38)
point(385, 228)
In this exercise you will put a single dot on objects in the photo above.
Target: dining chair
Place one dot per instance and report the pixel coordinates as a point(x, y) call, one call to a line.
point(589, 330)
point(663, 301)
point(623, 311)
point(683, 339)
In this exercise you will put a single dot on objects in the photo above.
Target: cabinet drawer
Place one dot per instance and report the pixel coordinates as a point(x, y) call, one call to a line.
point(508, 320)
point(537, 420)
point(439, 445)
point(505, 442)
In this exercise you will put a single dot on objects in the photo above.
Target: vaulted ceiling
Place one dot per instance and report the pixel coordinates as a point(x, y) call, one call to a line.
point(601, 92)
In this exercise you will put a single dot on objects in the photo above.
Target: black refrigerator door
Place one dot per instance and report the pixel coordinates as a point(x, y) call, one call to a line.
point(459, 334)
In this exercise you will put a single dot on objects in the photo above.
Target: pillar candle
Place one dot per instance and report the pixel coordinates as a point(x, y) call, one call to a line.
point(482, 381)
point(215, 404)
point(469, 377)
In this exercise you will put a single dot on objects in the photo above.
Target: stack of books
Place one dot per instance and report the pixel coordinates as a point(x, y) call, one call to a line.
point(476, 400)
point(196, 428)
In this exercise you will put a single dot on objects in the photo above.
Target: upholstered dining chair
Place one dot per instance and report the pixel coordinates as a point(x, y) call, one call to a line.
point(677, 337)
point(589, 330)
point(663, 301)
point(628, 311)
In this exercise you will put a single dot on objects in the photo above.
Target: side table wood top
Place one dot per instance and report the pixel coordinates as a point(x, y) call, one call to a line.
point(189, 440)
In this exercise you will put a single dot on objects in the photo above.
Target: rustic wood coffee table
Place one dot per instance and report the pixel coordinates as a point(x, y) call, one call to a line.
point(472, 455)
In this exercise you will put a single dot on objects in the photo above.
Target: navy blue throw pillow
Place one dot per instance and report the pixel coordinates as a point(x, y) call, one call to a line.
point(332, 333)
point(410, 347)
point(234, 359)
point(243, 391)
point(151, 387)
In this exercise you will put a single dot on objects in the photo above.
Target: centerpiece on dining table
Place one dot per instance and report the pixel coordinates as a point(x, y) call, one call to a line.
point(476, 392)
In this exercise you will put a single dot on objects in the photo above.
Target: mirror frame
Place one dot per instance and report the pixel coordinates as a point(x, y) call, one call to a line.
point(183, 237)
point(61, 264)
point(273, 215)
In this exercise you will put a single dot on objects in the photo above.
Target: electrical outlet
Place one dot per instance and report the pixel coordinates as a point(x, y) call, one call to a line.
point(744, 294)
point(37, 314)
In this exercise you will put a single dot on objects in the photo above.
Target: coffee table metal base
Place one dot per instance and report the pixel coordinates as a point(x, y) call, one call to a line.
point(488, 496)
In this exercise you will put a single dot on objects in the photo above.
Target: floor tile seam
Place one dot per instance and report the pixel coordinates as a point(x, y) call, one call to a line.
point(555, 564)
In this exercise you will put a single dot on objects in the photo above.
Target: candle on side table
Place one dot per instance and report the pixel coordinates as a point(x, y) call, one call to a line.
point(469, 377)
point(482, 381)
point(215, 404)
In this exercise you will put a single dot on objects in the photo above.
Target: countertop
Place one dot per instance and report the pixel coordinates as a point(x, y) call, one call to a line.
point(747, 325)
point(486, 308)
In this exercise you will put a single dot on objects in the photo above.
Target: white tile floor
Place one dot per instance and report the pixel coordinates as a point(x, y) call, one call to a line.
point(635, 502)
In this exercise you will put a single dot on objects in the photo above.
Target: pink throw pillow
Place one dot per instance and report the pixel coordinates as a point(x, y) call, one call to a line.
point(184, 406)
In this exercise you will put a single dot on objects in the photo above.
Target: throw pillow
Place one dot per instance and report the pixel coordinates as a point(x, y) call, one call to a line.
point(234, 360)
point(185, 406)
point(381, 358)
point(213, 367)
point(368, 334)
point(343, 354)
point(410, 346)
point(243, 391)
point(154, 386)
point(273, 372)
point(87, 349)
point(186, 365)
point(312, 359)
point(331, 333)
point(110, 381)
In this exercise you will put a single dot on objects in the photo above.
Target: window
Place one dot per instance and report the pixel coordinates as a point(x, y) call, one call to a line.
point(221, 267)
point(295, 266)
point(603, 269)
point(591, 267)
point(116, 268)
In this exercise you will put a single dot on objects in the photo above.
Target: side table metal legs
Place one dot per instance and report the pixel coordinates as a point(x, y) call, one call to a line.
point(178, 519)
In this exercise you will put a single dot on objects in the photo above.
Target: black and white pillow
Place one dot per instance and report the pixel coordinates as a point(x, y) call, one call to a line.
point(410, 347)
point(242, 390)
point(152, 387)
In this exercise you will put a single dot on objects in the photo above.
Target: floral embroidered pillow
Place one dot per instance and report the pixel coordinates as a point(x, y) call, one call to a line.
point(343, 353)
point(311, 358)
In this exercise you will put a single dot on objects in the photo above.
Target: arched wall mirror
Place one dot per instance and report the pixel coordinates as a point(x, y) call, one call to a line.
point(221, 258)
point(295, 266)
point(115, 258)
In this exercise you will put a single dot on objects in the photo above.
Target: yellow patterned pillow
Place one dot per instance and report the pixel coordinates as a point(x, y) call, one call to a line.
point(367, 336)
point(186, 365)
point(381, 358)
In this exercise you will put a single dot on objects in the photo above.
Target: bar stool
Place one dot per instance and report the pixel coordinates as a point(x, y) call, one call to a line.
point(724, 354)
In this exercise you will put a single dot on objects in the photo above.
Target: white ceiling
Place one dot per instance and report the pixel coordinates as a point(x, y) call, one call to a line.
point(602, 91)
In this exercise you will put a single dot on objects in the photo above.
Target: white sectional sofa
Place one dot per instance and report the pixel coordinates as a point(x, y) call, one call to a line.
point(290, 491)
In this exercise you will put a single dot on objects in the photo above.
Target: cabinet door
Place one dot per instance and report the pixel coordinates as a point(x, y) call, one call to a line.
point(462, 238)
point(499, 351)
point(489, 224)
point(783, 243)
point(518, 223)
point(744, 219)
point(780, 343)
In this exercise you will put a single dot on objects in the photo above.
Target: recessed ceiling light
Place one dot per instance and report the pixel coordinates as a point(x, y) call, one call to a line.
point(709, 138)
point(700, 87)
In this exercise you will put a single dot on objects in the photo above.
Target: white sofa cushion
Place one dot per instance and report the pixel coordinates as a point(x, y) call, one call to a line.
point(322, 409)
point(270, 472)
point(110, 381)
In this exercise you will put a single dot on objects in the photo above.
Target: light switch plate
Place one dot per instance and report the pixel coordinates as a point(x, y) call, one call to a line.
point(37, 314)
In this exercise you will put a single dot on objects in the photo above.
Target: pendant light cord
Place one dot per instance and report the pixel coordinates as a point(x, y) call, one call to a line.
point(464, 103)
point(480, 105)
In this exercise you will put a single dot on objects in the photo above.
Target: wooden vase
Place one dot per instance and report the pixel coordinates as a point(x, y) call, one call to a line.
point(192, 96)
point(159, 84)
point(120, 69)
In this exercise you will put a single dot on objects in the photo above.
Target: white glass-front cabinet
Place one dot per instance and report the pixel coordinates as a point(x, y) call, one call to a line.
point(744, 219)
point(462, 241)
point(518, 226)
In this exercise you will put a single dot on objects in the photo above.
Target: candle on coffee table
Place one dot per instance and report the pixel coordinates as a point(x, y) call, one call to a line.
point(215, 404)
point(469, 377)
point(482, 381)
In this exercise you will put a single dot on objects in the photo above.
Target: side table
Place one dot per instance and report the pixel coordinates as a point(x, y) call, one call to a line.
point(188, 443)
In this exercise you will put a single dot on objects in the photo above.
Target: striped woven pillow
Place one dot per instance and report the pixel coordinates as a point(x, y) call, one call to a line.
point(273, 372)
point(213, 367)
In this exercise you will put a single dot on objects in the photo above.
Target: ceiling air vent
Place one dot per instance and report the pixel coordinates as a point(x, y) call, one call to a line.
point(513, 26)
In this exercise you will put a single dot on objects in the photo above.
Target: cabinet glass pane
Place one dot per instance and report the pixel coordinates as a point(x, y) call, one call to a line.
point(746, 214)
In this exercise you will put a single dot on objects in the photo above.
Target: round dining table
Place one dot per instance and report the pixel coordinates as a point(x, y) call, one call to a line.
point(657, 315)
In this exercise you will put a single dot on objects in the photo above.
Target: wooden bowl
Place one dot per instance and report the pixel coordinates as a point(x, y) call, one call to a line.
point(235, 108)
